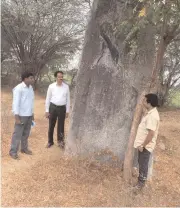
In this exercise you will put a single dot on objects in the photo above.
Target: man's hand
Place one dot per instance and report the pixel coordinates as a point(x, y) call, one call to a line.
point(67, 115)
point(47, 114)
point(140, 148)
point(17, 119)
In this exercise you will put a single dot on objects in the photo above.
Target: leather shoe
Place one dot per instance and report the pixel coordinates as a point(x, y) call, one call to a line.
point(14, 156)
point(61, 144)
point(28, 152)
point(48, 145)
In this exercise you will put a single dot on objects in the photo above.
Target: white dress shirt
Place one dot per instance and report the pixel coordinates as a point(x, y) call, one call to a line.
point(23, 100)
point(58, 95)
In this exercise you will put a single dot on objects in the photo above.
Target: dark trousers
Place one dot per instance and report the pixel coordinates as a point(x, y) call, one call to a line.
point(143, 160)
point(56, 112)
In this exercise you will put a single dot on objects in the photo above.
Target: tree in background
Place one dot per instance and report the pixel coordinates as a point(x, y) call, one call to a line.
point(39, 32)
point(170, 72)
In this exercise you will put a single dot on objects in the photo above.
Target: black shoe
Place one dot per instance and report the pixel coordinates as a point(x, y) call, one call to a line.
point(28, 152)
point(15, 157)
point(61, 144)
point(49, 145)
point(138, 187)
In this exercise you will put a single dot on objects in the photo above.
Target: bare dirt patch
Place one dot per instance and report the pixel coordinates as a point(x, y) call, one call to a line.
point(49, 178)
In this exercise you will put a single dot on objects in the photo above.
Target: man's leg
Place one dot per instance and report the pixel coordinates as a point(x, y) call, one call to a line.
point(16, 138)
point(143, 160)
point(52, 123)
point(150, 168)
point(135, 158)
point(60, 128)
point(136, 165)
point(24, 140)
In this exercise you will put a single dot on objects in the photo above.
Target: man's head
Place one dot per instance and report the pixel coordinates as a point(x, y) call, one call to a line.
point(59, 77)
point(27, 78)
point(150, 101)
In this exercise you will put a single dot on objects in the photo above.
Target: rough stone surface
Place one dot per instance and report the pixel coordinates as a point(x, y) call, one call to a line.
point(108, 85)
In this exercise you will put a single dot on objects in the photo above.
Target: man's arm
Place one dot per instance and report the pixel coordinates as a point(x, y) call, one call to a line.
point(147, 140)
point(151, 126)
point(68, 103)
point(16, 104)
point(149, 137)
point(33, 118)
point(48, 99)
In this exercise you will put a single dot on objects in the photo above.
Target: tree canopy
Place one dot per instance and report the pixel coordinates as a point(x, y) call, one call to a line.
point(41, 31)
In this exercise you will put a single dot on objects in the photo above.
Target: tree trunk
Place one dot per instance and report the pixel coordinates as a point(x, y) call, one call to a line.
point(108, 82)
point(163, 94)
point(152, 85)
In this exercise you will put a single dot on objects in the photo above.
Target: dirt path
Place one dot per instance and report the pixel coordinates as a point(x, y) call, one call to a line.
point(48, 178)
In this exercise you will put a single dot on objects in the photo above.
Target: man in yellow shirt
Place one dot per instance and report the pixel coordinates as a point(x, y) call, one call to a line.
point(146, 136)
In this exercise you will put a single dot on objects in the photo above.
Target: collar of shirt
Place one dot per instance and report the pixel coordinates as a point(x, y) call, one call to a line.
point(24, 85)
point(152, 110)
point(59, 85)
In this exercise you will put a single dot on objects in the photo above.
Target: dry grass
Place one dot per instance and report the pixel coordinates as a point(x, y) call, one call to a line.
point(49, 178)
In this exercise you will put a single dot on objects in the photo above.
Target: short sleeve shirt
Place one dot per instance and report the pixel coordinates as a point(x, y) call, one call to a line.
point(149, 122)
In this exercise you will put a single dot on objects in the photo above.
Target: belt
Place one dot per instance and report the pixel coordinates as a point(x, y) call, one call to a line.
point(58, 106)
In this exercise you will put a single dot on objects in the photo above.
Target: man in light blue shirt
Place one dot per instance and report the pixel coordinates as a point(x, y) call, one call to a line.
point(23, 102)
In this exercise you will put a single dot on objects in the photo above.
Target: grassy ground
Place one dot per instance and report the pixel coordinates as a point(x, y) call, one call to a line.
point(49, 178)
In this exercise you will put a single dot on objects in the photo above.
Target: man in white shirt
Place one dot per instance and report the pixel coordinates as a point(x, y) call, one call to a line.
point(23, 102)
point(57, 107)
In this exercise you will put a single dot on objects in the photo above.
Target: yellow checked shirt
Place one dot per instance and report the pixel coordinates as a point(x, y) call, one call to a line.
point(149, 122)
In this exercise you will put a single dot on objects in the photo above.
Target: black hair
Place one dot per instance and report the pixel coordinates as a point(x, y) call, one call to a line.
point(57, 72)
point(152, 99)
point(26, 75)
